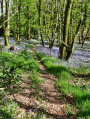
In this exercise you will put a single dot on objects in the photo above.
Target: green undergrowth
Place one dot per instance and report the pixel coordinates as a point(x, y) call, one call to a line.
point(8, 108)
point(35, 81)
point(82, 70)
point(12, 66)
point(80, 92)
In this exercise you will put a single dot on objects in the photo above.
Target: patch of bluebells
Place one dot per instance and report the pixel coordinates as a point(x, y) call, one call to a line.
point(36, 114)
point(80, 57)
point(18, 48)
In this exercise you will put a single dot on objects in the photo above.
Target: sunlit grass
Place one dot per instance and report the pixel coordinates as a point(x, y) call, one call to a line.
point(35, 80)
point(81, 70)
point(53, 67)
point(80, 93)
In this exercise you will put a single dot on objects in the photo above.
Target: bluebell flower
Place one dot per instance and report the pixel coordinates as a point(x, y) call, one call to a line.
point(43, 115)
point(5, 101)
point(8, 97)
point(30, 111)
point(35, 110)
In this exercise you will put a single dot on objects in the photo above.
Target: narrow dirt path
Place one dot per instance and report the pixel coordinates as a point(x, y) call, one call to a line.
point(49, 94)
point(48, 89)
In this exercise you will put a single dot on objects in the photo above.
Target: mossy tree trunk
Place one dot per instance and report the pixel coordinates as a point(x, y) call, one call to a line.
point(62, 47)
point(80, 23)
point(83, 23)
point(70, 49)
point(7, 29)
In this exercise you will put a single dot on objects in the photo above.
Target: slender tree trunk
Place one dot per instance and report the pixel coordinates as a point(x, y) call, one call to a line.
point(82, 31)
point(15, 25)
point(28, 24)
point(85, 37)
point(2, 18)
point(39, 10)
point(2, 11)
point(79, 39)
point(18, 22)
point(7, 29)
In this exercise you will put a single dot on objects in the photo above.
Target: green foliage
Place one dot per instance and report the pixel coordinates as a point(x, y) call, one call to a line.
point(8, 74)
point(35, 81)
point(69, 110)
point(33, 66)
point(12, 66)
point(36, 114)
point(8, 108)
point(5, 56)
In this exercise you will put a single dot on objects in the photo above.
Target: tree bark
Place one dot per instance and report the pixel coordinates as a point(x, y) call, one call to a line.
point(28, 24)
point(18, 22)
point(3, 26)
point(85, 37)
point(7, 29)
point(62, 48)
point(39, 10)
point(69, 51)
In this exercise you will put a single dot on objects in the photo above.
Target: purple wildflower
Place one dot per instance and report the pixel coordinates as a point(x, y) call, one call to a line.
point(35, 110)
point(43, 115)
point(5, 101)
point(30, 111)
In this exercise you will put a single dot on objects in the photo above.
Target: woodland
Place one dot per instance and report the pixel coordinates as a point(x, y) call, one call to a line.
point(44, 59)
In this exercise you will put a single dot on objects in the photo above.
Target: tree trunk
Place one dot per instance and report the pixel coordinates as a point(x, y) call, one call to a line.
point(2, 18)
point(28, 24)
point(39, 10)
point(62, 47)
point(81, 22)
point(82, 31)
point(69, 51)
point(18, 22)
point(2, 11)
point(7, 29)
point(85, 37)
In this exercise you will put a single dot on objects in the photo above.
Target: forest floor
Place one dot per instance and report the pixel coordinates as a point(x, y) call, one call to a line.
point(45, 98)
point(48, 100)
